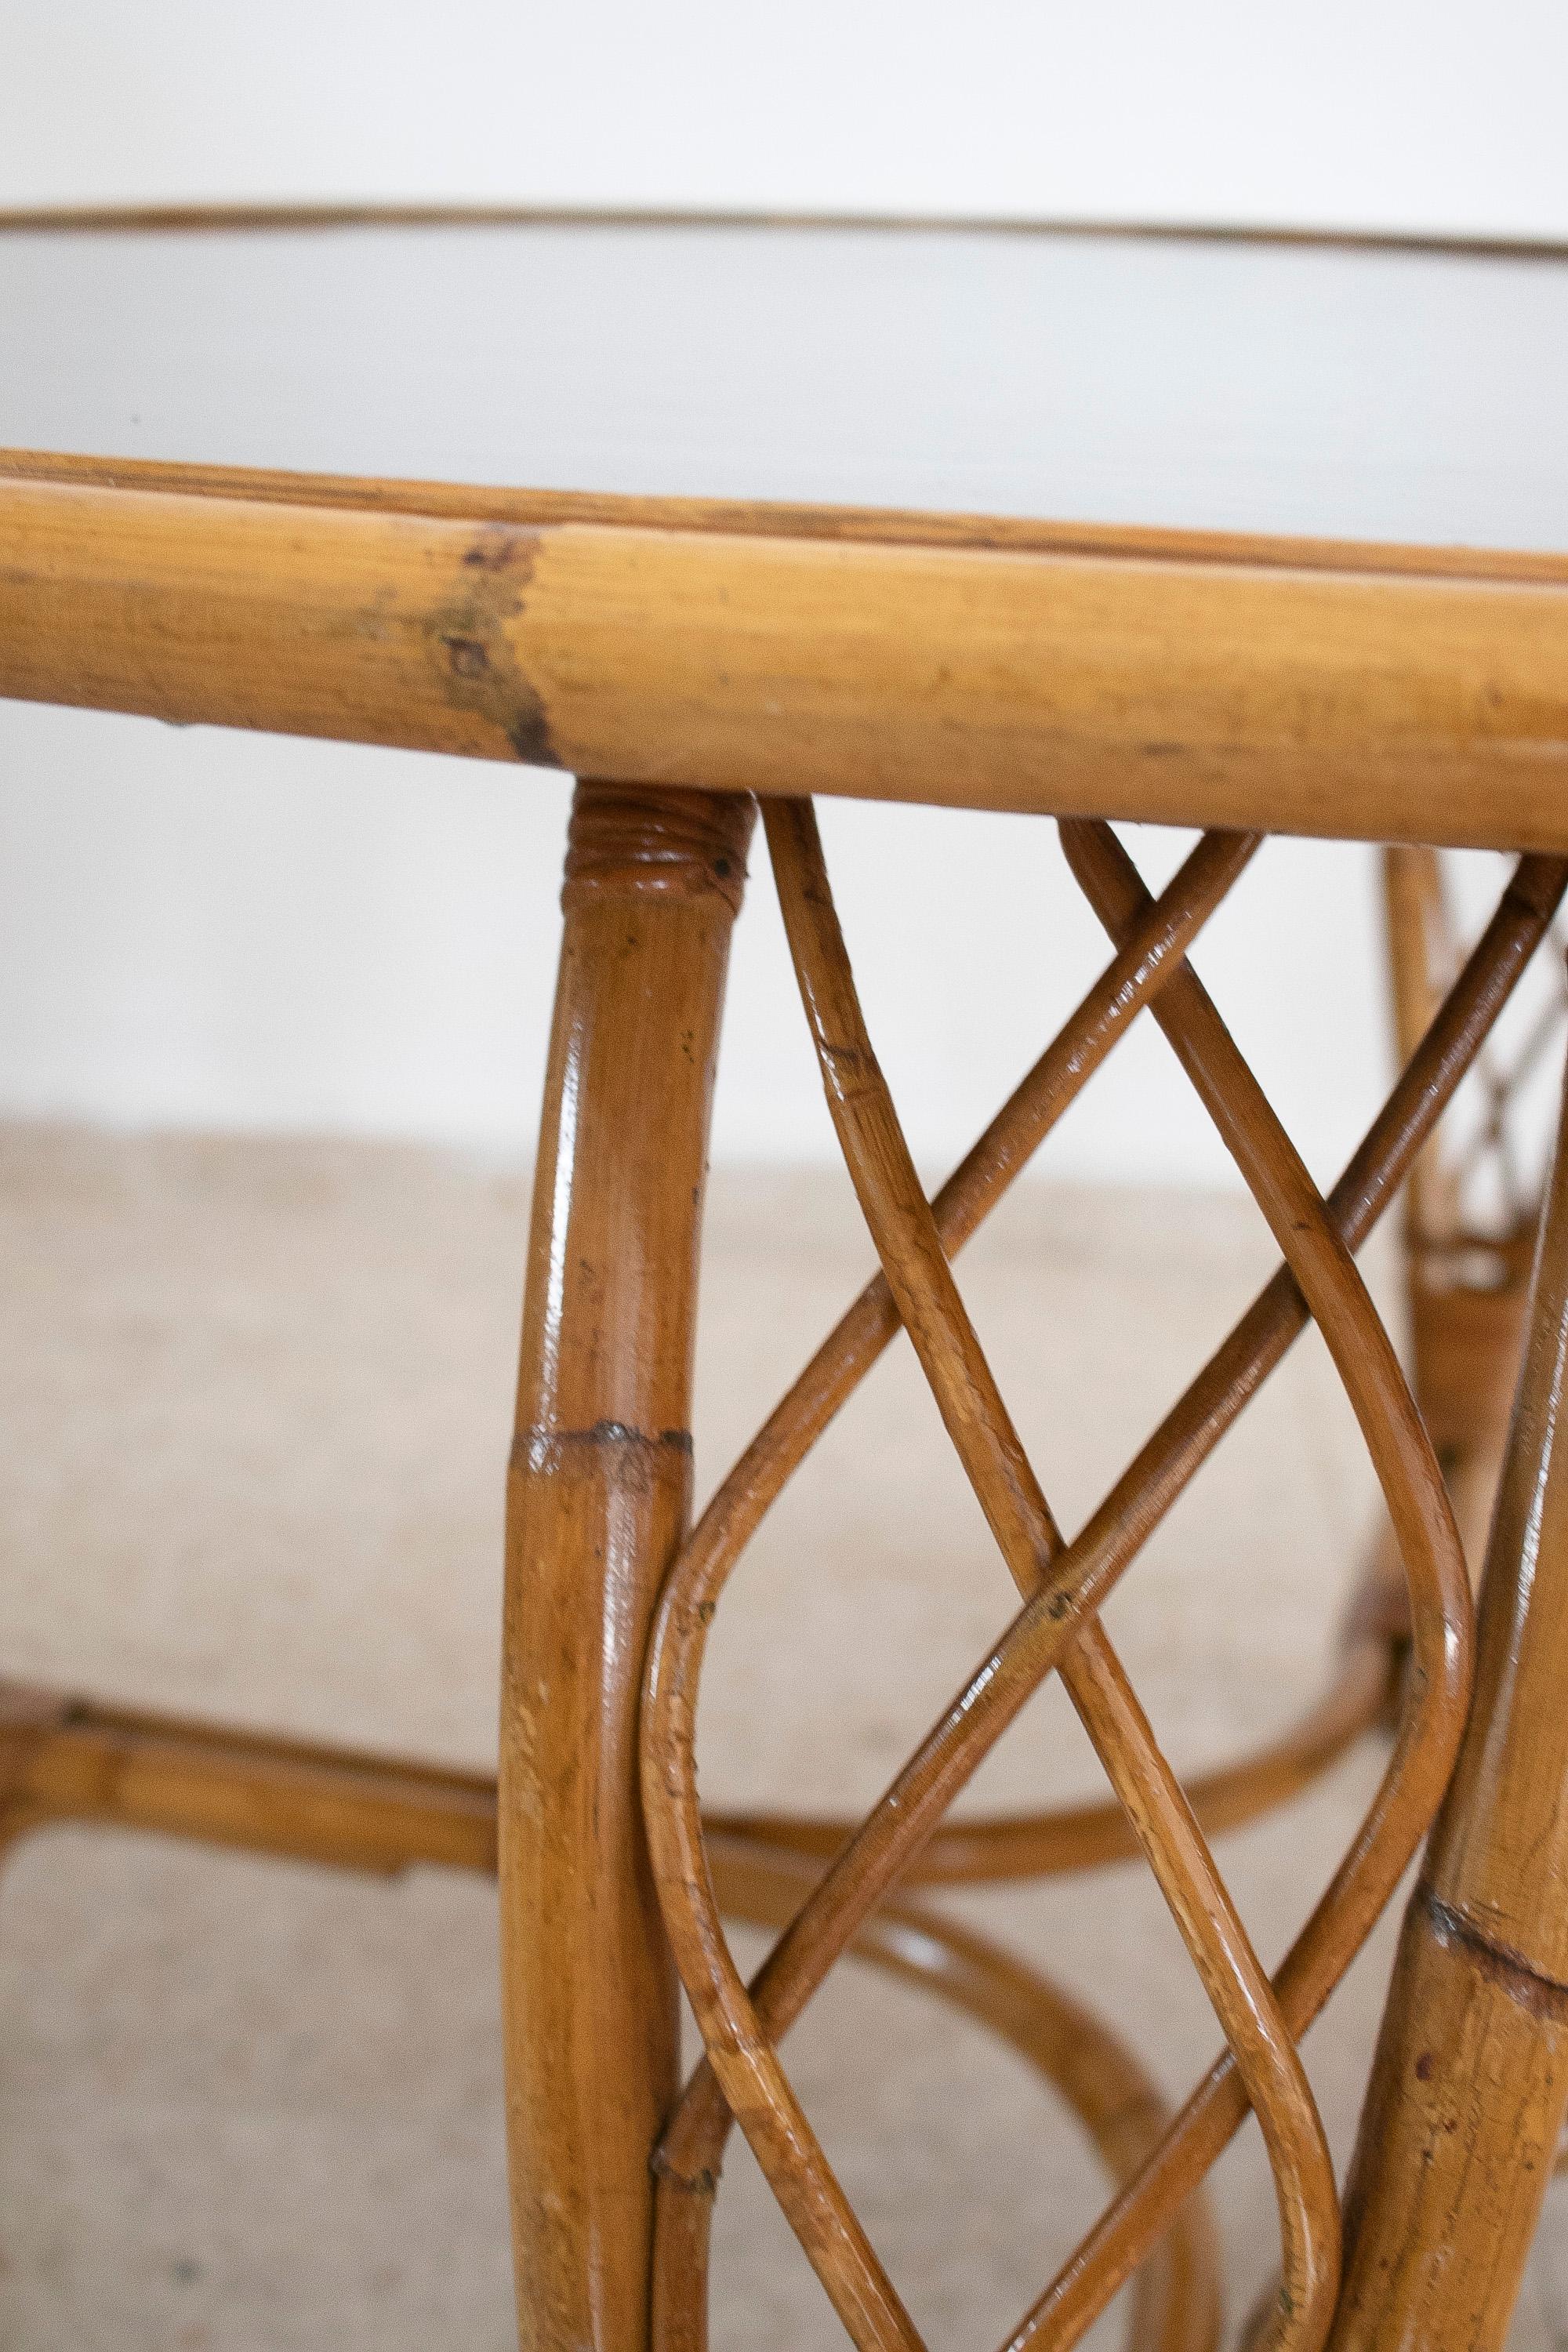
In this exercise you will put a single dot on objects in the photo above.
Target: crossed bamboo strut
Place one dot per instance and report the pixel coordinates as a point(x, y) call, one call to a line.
point(65, 1759)
point(1063, 1586)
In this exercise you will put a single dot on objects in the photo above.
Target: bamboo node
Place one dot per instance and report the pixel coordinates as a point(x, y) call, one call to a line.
point(1541, 1996)
point(627, 840)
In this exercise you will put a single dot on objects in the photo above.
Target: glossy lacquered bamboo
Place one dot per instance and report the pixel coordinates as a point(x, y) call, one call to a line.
point(1358, 1342)
point(76, 1758)
point(974, 1850)
point(1410, 695)
point(1466, 1281)
point(1470, 2082)
point(801, 2177)
point(1425, 703)
point(1176, 2307)
point(65, 1758)
point(1420, 938)
point(874, 1859)
point(598, 1498)
point(693, 2147)
point(72, 1760)
point(910, 1248)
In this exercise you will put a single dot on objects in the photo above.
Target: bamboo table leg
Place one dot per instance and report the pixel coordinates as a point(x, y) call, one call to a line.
point(599, 1496)
point(1469, 2085)
point(1471, 2078)
point(1466, 1274)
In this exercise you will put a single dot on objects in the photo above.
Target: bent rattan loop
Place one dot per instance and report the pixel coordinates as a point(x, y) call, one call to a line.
point(949, 1354)
point(744, 2030)
point(1175, 2306)
point(710, 1554)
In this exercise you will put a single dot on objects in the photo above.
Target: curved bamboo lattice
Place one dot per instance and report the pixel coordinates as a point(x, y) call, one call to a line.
point(844, 1874)
point(1177, 2306)
point(1468, 1277)
point(830, 1887)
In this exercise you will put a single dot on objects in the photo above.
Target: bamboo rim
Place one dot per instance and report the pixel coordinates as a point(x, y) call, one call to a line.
point(194, 216)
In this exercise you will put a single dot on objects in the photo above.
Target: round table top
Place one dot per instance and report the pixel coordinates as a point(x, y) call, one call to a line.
point(1234, 530)
point(1222, 384)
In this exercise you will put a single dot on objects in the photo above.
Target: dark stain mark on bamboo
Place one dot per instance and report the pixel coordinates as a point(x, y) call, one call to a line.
point(468, 631)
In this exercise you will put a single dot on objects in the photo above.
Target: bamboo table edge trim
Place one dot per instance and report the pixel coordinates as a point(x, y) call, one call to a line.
point(1378, 693)
point(195, 216)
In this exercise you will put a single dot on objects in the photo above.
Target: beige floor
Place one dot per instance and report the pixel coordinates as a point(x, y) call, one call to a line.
point(253, 1407)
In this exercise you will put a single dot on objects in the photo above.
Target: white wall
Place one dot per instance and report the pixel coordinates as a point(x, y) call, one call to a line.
point(207, 929)
point(1360, 112)
point(202, 928)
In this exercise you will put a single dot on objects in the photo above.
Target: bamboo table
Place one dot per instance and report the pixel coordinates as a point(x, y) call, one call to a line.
point(1309, 574)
